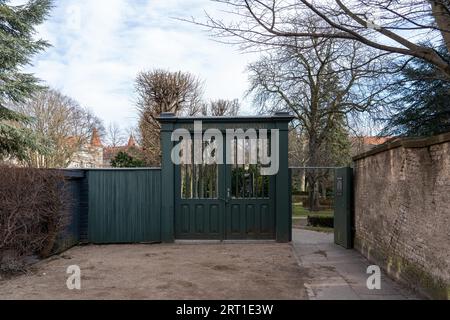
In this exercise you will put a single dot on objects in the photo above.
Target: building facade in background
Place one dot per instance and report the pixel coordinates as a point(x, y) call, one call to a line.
point(90, 155)
point(96, 155)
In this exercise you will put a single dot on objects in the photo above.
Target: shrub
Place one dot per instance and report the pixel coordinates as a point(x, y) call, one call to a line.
point(299, 199)
point(34, 210)
point(124, 160)
point(321, 221)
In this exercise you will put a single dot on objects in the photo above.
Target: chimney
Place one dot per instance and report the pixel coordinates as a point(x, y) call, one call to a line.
point(96, 141)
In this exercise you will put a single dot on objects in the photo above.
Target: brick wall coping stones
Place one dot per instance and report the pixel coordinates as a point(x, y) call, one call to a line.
point(405, 143)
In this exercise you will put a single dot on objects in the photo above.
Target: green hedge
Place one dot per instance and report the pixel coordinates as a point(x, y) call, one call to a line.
point(320, 221)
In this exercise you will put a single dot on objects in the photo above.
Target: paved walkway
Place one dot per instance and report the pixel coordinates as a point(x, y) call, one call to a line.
point(335, 273)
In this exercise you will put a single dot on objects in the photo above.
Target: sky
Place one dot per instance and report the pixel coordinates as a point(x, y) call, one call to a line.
point(99, 46)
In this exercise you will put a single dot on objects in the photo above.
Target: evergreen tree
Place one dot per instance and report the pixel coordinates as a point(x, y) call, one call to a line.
point(336, 148)
point(124, 160)
point(17, 47)
point(422, 100)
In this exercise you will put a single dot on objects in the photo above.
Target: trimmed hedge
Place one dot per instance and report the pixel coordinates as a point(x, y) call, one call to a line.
point(321, 221)
point(324, 203)
point(299, 198)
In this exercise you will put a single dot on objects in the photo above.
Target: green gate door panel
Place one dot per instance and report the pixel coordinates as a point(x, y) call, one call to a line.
point(124, 206)
point(343, 222)
point(198, 219)
point(249, 219)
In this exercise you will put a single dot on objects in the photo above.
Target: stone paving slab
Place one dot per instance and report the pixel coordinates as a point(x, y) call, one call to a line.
point(335, 273)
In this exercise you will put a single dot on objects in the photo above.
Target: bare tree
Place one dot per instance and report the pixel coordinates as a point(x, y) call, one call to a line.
point(114, 135)
point(312, 85)
point(221, 107)
point(407, 28)
point(321, 87)
point(162, 91)
point(63, 123)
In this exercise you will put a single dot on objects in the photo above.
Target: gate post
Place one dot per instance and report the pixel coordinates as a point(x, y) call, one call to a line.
point(282, 198)
point(167, 121)
point(343, 215)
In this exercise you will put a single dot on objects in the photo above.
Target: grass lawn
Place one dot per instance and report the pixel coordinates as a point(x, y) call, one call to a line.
point(299, 211)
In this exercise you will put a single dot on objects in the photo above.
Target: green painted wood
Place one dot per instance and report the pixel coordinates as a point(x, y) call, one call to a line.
point(282, 195)
point(70, 236)
point(167, 184)
point(124, 206)
point(199, 219)
point(343, 217)
point(290, 205)
point(224, 218)
point(249, 219)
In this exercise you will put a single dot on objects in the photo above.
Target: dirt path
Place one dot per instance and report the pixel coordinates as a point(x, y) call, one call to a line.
point(238, 271)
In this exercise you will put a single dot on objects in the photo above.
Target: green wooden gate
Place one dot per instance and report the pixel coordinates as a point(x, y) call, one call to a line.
point(124, 206)
point(225, 201)
point(229, 212)
point(343, 216)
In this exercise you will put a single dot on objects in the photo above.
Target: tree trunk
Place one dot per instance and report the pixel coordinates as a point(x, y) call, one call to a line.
point(442, 18)
point(312, 175)
point(324, 190)
point(302, 181)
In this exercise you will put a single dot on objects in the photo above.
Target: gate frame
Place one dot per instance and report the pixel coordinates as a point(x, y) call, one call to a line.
point(170, 122)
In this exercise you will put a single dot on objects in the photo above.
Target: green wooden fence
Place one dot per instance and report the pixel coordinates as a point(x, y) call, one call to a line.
point(124, 206)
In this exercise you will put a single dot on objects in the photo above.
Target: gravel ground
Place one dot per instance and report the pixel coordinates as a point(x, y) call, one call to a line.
point(205, 271)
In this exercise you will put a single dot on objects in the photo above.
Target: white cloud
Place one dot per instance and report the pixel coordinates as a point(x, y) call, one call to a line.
point(100, 46)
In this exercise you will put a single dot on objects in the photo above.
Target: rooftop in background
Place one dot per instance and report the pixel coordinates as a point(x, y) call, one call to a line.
point(132, 142)
point(95, 140)
point(365, 144)
point(375, 141)
point(110, 153)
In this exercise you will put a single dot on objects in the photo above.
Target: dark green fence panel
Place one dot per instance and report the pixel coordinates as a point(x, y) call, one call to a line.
point(70, 236)
point(124, 206)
